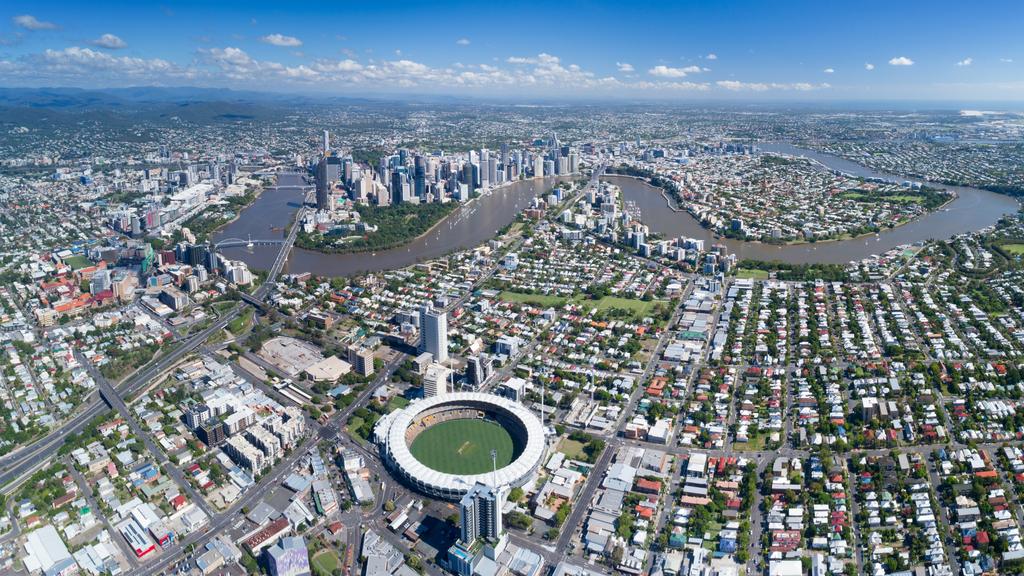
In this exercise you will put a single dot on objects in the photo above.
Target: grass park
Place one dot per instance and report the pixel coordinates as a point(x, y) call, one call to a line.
point(77, 262)
point(752, 274)
point(325, 562)
point(638, 308)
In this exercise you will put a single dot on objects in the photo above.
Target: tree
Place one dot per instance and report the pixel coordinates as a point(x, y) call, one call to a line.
point(519, 520)
point(562, 514)
point(414, 562)
point(250, 564)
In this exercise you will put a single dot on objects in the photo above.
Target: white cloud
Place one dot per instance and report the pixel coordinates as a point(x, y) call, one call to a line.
point(338, 67)
point(737, 86)
point(85, 65)
point(966, 62)
point(232, 66)
point(109, 41)
point(625, 67)
point(712, 56)
point(1006, 60)
point(829, 70)
point(901, 61)
point(462, 41)
point(541, 58)
point(869, 66)
point(281, 40)
point(663, 71)
point(30, 22)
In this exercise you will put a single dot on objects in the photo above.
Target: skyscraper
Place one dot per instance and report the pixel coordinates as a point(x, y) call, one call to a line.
point(327, 142)
point(323, 187)
point(492, 171)
point(434, 332)
point(480, 513)
point(485, 159)
point(420, 176)
point(467, 175)
point(397, 183)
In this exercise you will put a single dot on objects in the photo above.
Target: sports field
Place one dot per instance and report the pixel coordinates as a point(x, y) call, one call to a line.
point(463, 446)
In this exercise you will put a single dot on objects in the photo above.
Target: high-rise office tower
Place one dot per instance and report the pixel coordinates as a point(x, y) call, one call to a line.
point(480, 513)
point(323, 185)
point(492, 170)
point(398, 186)
point(485, 159)
point(434, 332)
point(420, 176)
point(538, 166)
point(327, 142)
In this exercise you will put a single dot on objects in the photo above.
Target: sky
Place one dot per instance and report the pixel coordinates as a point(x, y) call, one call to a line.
point(820, 50)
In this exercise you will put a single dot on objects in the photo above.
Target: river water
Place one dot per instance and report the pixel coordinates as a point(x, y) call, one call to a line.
point(973, 209)
point(470, 225)
point(466, 227)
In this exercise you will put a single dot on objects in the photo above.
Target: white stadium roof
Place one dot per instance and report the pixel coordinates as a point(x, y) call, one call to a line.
point(513, 474)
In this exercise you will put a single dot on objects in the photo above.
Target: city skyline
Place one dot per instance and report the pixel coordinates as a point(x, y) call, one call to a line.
point(800, 51)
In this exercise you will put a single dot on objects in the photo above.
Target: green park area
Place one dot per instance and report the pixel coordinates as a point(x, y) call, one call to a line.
point(77, 262)
point(326, 562)
point(638, 308)
point(752, 274)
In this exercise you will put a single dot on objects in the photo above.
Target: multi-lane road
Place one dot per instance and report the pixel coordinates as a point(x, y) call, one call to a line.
point(21, 464)
point(18, 466)
point(219, 522)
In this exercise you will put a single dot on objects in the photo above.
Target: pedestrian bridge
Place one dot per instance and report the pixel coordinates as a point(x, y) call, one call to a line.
point(242, 242)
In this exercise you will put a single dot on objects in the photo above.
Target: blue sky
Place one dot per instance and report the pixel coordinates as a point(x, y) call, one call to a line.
point(934, 50)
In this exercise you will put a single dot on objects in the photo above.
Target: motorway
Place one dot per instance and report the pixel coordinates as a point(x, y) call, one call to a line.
point(117, 402)
point(21, 464)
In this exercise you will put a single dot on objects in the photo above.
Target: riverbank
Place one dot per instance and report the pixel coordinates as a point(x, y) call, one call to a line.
point(393, 227)
point(845, 237)
point(210, 230)
point(452, 213)
point(972, 209)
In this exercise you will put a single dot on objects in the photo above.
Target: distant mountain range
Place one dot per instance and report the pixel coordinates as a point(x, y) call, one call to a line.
point(81, 98)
